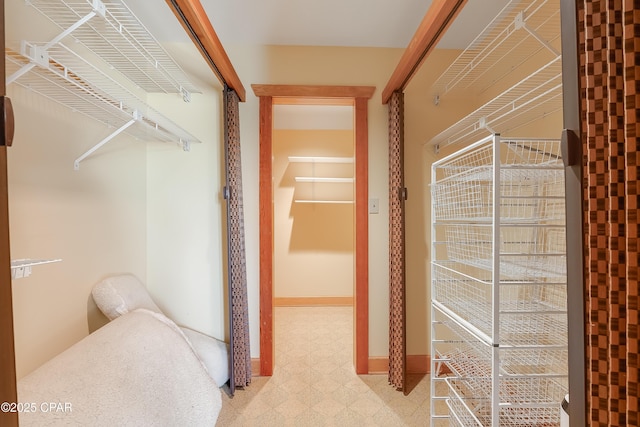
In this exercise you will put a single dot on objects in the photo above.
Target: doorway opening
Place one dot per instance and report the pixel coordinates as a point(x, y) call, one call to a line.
point(357, 97)
point(313, 233)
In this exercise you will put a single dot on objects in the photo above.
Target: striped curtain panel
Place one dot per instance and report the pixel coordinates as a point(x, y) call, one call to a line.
point(240, 354)
point(397, 317)
point(609, 42)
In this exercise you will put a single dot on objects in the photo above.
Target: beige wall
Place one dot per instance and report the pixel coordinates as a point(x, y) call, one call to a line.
point(328, 66)
point(94, 219)
point(186, 267)
point(313, 242)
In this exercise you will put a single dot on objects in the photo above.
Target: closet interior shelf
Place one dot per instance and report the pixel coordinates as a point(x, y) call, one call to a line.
point(112, 32)
point(323, 179)
point(521, 30)
point(535, 97)
point(63, 76)
point(317, 159)
point(22, 267)
point(329, 202)
point(524, 29)
point(113, 63)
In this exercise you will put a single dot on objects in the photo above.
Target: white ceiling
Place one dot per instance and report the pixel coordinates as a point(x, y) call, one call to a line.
point(364, 23)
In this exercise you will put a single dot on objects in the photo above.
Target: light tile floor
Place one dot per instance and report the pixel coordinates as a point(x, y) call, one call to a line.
point(314, 383)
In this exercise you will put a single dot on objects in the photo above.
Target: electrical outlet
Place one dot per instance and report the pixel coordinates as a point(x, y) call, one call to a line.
point(374, 206)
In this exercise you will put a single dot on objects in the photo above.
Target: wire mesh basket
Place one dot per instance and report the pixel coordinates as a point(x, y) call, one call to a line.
point(499, 298)
point(530, 178)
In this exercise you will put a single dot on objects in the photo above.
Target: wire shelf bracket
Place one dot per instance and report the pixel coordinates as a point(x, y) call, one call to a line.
point(76, 163)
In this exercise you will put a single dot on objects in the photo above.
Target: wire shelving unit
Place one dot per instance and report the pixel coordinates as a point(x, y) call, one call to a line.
point(85, 81)
point(522, 30)
point(498, 285)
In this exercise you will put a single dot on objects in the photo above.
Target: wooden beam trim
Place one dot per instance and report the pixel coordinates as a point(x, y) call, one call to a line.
point(313, 91)
point(362, 236)
point(196, 23)
point(266, 237)
point(440, 15)
point(340, 102)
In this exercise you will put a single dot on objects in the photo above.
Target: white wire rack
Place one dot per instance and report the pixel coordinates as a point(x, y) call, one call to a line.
point(97, 77)
point(498, 284)
point(520, 30)
point(117, 36)
point(534, 97)
point(528, 381)
point(63, 76)
point(531, 183)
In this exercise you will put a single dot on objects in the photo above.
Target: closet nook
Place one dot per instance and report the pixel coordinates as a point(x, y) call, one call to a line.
point(498, 244)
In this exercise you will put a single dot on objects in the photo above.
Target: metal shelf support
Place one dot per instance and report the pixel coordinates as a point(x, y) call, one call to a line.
point(136, 117)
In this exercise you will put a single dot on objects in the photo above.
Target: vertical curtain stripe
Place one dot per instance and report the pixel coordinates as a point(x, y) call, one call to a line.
point(397, 317)
point(240, 354)
point(609, 63)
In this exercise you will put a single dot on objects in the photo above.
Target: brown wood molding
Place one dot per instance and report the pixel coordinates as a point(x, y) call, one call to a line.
point(416, 364)
point(8, 390)
point(196, 23)
point(267, 95)
point(440, 15)
point(266, 237)
point(361, 309)
point(313, 91)
point(313, 301)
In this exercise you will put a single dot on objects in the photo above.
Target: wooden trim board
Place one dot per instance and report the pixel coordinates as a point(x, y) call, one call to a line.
point(313, 91)
point(416, 364)
point(361, 306)
point(266, 236)
point(196, 23)
point(360, 96)
point(439, 16)
point(8, 391)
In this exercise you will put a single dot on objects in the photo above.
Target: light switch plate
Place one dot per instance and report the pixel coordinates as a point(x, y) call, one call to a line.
point(374, 206)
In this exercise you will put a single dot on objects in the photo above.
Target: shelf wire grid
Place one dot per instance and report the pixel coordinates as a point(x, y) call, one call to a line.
point(531, 184)
point(71, 81)
point(530, 315)
point(520, 30)
point(535, 96)
point(523, 250)
point(122, 41)
point(530, 382)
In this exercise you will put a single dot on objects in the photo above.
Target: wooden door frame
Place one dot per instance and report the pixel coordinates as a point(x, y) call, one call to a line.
point(358, 96)
point(8, 392)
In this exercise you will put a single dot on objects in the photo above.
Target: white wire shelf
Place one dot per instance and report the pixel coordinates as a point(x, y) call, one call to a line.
point(64, 77)
point(327, 202)
point(324, 180)
point(319, 159)
point(117, 36)
point(21, 268)
point(531, 184)
point(534, 97)
point(522, 29)
point(476, 411)
point(540, 329)
point(529, 380)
